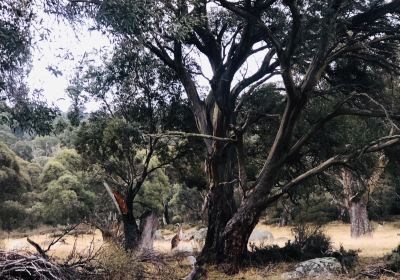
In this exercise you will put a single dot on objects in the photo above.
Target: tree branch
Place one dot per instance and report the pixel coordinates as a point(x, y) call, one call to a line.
point(374, 146)
point(265, 68)
point(188, 134)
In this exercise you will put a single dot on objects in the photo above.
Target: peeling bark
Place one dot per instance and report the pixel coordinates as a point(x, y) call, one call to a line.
point(221, 206)
point(359, 222)
point(148, 227)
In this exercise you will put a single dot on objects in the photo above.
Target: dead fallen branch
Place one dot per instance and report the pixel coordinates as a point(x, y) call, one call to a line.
point(376, 271)
point(58, 238)
point(14, 265)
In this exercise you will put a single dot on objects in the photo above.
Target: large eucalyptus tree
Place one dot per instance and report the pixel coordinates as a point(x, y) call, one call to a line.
point(298, 41)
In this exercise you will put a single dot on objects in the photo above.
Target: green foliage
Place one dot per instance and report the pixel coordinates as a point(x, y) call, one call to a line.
point(185, 204)
point(12, 179)
point(65, 198)
point(12, 215)
point(23, 149)
point(153, 194)
point(6, 135)
point(41, 160)
point(52, 171)
point(34, 170)
point(45, 145)
point(17, 107)
point(70, 159)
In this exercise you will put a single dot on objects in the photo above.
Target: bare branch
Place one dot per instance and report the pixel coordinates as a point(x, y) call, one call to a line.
point(110, 193)
point(297, 146)
point(374, 13)
point(196, 135)
point(265, 68)
point(43, 252)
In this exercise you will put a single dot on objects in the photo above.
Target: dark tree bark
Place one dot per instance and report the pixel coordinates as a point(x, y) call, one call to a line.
point(131, 229)
point(221, 206)
point(131, 232)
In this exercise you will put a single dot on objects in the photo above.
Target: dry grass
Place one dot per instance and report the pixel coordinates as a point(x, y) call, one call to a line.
point(20, 234)
point(61, 249)
point(382, 241)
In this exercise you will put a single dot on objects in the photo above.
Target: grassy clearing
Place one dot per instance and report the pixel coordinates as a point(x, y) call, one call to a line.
point(382, 240)
point(371, 250)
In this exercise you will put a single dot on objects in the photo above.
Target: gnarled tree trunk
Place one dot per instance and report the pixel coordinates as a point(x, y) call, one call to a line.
point(220, 205)
point(238, 230)
point(356, 196)
point(359, 222)
point(355, 203)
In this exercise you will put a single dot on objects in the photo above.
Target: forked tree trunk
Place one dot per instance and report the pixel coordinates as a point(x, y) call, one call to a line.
point(236, 235)
point(221, 206)
point(359, 222)
point(241, 225)
point(142, 238)
point(355, 203)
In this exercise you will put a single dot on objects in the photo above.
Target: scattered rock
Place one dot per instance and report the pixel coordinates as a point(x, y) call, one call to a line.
point(192, 260)
point(200, 234)
point(281, 239)
point(319, 267)
point(158, 235)
point(258, 235)
point(199, 239)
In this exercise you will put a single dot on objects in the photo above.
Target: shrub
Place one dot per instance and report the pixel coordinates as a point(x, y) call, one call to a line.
point(117, 264)
point(12, 215)
point(52, 171)
point(309, 242)
point(310, 239)
point(347, 258)
point(393, 260)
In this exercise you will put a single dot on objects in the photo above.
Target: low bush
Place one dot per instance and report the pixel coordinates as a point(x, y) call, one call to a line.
point(115, 263)
point(393, 260)
point(309, 243)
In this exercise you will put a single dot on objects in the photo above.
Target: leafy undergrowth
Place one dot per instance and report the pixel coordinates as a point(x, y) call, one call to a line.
point(115, 263)
point(309, 242)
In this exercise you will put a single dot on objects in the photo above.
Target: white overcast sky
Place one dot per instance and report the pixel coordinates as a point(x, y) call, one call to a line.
point(63, 41)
